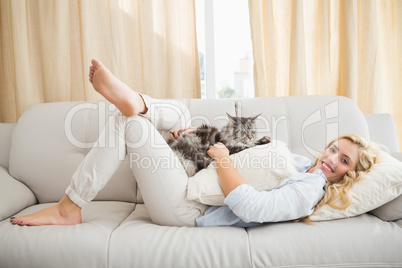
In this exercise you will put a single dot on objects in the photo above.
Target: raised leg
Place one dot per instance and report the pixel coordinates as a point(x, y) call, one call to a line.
point(163, 183)
point(100, 163)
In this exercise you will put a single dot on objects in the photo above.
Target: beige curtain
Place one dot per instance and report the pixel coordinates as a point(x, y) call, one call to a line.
point(47, 46)
point(351, 48)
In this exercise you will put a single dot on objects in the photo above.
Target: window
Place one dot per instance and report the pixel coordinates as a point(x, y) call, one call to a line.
point(225, 49)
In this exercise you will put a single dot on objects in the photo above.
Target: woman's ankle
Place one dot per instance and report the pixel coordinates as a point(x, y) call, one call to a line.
point(67, 206)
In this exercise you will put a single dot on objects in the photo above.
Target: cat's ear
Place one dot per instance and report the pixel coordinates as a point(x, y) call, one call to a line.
point(231, 118)
point(253, 119)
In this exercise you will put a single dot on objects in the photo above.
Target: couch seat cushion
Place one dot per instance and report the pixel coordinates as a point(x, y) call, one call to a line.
point(137, 242)
point(84, 245)
point(363, 241)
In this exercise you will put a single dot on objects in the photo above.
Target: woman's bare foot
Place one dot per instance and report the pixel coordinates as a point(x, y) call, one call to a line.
point(129, 102)
point(66, 212)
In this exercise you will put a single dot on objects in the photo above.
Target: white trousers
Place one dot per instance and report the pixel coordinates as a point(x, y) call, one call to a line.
point(160, 176)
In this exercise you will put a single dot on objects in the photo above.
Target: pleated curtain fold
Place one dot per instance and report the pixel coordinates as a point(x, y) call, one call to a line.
point(351, 48)
point(47, 46)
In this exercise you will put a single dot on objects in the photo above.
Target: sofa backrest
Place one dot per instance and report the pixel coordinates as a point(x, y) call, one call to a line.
point(308, 123)
point(50, 140)
point(305, 123)
point(382, 130)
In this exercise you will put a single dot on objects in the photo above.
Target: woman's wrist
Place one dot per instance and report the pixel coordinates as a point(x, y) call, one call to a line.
point(223, 161)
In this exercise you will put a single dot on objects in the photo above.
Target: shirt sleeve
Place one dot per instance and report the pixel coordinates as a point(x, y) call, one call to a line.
point(301, 163)
point(166, 115)
point(292, 201)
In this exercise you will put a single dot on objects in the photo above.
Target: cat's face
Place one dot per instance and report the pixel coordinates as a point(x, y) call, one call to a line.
point(242, 129)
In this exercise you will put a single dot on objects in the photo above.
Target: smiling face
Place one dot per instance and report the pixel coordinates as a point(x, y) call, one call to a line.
point(340, 157)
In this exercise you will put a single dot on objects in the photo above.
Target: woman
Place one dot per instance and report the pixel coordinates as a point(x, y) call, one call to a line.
point(344, 162)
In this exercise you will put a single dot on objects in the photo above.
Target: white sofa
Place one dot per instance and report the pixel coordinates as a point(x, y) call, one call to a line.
point(39, 154)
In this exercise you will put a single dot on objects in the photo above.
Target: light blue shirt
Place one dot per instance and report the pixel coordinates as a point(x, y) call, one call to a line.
point(294, 199)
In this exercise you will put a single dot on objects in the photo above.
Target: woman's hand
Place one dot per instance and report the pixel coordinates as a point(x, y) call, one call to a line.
point(218, 151)
point(176, 133)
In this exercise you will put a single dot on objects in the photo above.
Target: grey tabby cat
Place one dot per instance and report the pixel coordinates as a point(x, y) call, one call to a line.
point(191, 148)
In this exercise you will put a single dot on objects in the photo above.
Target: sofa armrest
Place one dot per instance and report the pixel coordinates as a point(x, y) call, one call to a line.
point(14, 195)
point(6, 131)
point(382, 130)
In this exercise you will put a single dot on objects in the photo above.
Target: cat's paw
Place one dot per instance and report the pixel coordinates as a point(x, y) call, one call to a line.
point(264, 140)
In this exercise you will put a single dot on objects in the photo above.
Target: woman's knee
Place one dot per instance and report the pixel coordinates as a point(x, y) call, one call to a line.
point(139, 131)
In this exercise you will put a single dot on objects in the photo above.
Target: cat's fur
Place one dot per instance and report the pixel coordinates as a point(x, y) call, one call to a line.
point(191, 148)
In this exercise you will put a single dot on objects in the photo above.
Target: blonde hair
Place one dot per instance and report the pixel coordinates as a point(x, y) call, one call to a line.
point(337, 193)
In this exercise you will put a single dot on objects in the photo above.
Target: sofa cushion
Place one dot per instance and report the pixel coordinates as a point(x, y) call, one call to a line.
point(264, 167)
point(51, 140)
point(363, 241)
point(382, 130)
point(305, 123)
point(138, 242)
point(273, 120)
point(391, 211)
point(14, 195)
point(83, 245)
point(315, 120)
point(211, 112)
point(380, 186)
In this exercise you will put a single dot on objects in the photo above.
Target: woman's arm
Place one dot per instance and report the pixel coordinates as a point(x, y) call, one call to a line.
point(291, 201)
point(229, 178)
